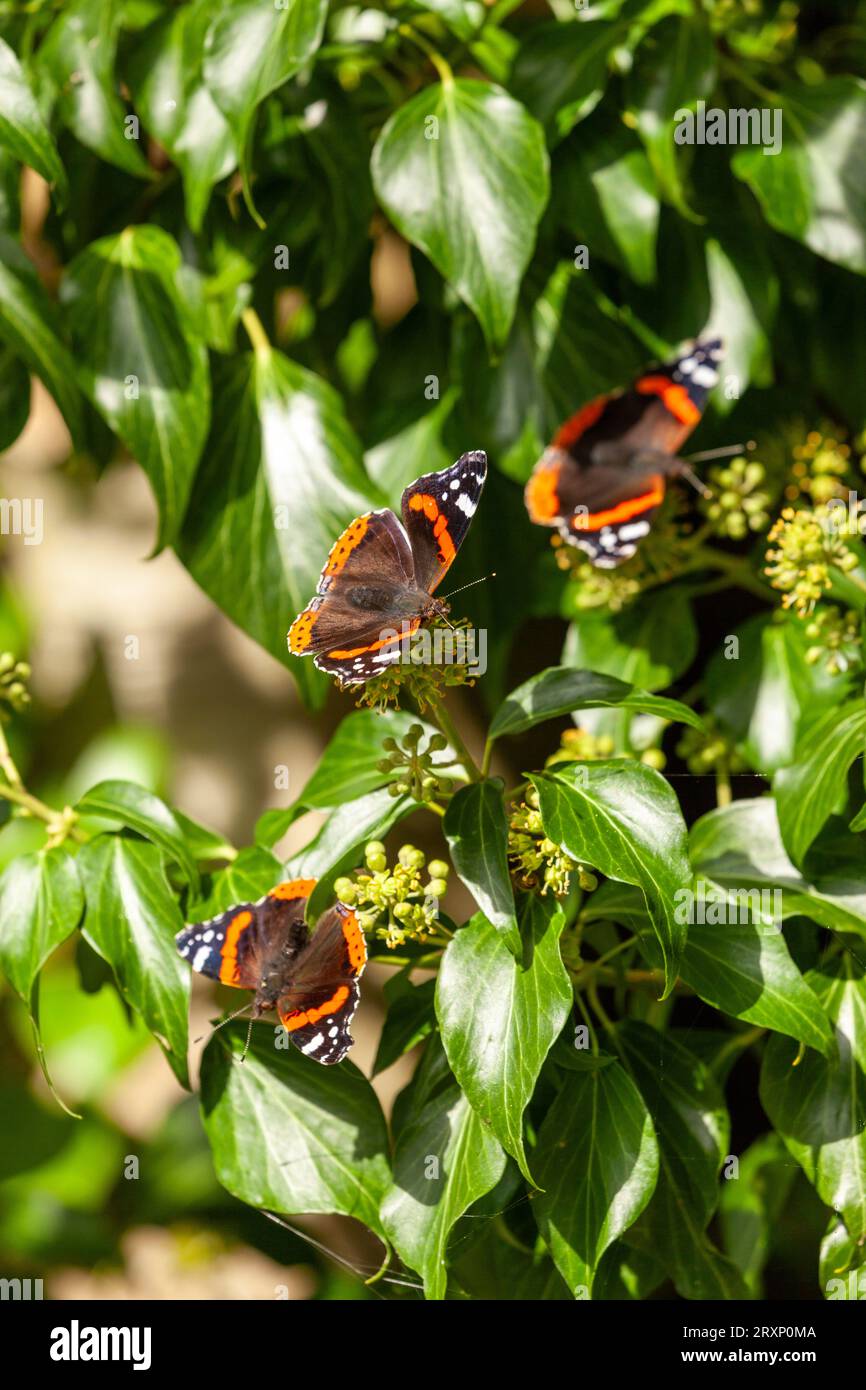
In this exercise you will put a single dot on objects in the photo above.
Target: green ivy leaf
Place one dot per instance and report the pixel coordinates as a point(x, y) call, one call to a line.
point(79, 54)
point(251, 50)
point(41, 902)
point(246, 879)
point(142, 362)
point(819, 1106)
point(468, 192)
point(674, 67)
point(751, 1205)
point(606, 193)
point(22, 130)
point(30, 325)
point(841, 1264)
point(14, 394)
point(445, 1159)
point(281, 477)
point(624, 819)
point(131, 921)
point(649, 644)
point(476, 828)
point(176, 106)
point(410, 1018)
point(741, 846)
point(763, 694)
point(141, 810)
point(561, 690)
point(499, 1018)
point(561, 72)
point(288, 1135)
point(692, 1129)
point(597, 1162)
point(808, 792)
point(809, 189)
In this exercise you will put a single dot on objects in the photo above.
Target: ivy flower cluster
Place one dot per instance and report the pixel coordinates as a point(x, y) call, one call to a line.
point(739, 502)
point(805, 546)
point(538, 863)
point(580, 745)
point(836, 638)
point(394, 903)
point(420, 774)
point(13, 689)
point(709, 750)
point(424, 682)
point(821, 468)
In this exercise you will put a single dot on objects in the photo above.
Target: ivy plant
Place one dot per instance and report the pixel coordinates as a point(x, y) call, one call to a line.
point(648, 809)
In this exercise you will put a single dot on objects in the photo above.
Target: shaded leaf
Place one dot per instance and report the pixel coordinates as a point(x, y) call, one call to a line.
point(41, 902)
point(476, 828)
point(562, 690)
point(499, 1018)
point(30, 325)
point(22, 130)
point(811, 789)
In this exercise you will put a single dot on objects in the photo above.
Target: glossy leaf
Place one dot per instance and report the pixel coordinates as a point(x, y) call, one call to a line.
point(141, 810)
point(23, 132)
point(281, 478)
point(740, 846)
point(692, 1130)
point(623, 818)
point(476, 828)
point(79, 53)
point(289, 1135)
point(251, 50)
point(176, 106)
point(486, 155)
point(561, 72)
point(141, 360)
point(562, 690)
point(445, 1159)
point(499, 1017)
point(810, 789)
point(819, 1106)
point(597, 1163)
point(40, 906)
point(30, 325)
point(808, 189)
point(131, 920)
point(348, 767)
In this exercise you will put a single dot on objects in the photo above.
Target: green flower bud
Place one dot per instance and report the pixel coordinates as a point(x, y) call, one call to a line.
point(438, 743)
point(345, 890)
point(437, 868)
point(436, 888)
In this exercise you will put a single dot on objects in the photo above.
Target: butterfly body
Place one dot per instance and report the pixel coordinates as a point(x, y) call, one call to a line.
point(604, 475)
point(378, 582)
point(311, 980)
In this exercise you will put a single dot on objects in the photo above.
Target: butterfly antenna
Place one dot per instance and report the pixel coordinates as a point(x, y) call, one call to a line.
point(222, 1024)
point(470, 585)
point(729, 451)
point(690, 477)
point(247, 1043)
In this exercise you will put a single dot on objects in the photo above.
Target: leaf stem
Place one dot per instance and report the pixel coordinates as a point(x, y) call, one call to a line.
point(60, 823)
point(446, 724)
point(440, 64)
point(256, 333)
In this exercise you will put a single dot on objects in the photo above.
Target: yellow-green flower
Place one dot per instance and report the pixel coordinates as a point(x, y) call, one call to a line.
point(739, 502)
point(421, 774)
point(821, 468)
point(835, 636)
point(804, 546)
point(538, 863)
point(396, 904)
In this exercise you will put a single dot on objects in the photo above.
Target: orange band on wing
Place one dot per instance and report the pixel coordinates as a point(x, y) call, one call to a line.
point(292, 889)
point(229, 969)
point(355, 943)
point(632, 506)
point(541, 496)
point(422, 502)
point(343, 547)
point(674, 397)
point(301, 631)
point(301, 1018)
point(570, 432)
point(374, 646)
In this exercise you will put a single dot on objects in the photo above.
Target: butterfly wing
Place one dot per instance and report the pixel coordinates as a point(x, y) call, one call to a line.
point(603, 477)
point(231, 947)
point(318, 1007)
point(437, 510)
point(360, 602)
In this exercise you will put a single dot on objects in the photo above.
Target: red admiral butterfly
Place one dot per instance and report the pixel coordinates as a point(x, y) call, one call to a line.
point(381, 575)
point(311, 981)
point(603, 477)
